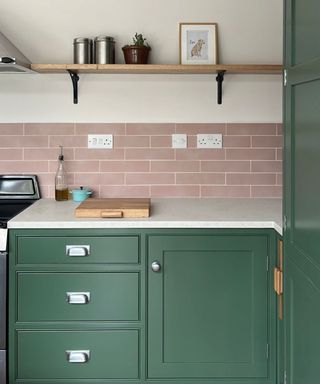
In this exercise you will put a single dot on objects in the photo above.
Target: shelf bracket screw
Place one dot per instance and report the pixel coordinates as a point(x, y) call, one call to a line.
point(75, 79)
point(220, 78)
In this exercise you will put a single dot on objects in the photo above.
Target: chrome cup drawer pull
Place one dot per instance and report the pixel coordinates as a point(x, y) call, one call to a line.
point(77, 250)
point(78, 356)
point(78, 297)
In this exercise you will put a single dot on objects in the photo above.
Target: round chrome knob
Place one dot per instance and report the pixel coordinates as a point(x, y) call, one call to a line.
point(155, 266)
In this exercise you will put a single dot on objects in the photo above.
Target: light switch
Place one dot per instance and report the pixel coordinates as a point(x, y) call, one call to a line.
point(179, 140)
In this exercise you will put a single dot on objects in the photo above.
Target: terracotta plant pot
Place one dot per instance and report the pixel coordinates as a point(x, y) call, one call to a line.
point(135, 54)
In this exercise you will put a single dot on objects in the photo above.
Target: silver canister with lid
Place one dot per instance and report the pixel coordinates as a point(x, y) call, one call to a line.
point(82, 50)
point(104, 50)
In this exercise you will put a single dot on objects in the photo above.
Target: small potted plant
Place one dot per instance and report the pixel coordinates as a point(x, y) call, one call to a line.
point(138, 52)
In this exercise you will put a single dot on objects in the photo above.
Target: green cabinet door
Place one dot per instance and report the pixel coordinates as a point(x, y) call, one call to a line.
point(302, 192)
point(208, 307)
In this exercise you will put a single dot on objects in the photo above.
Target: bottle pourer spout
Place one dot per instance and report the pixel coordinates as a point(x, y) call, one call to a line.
point(61, 157)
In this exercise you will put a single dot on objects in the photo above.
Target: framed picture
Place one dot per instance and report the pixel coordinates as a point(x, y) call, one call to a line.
point(198, 43)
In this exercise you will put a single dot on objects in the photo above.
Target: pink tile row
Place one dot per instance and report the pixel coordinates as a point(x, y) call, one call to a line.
point(128, 129)
point(132, 142)
point(143, 162)
point(80, 154)
point(259, 167)
point(180, 191)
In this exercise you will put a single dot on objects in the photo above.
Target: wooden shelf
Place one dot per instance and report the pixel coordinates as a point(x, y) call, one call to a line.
point(157, 68)
point(75, 70)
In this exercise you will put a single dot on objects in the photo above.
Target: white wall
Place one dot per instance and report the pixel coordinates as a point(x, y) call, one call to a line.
point(250, 31)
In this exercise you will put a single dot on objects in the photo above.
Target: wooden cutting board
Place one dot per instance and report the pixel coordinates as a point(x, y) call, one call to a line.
point(113, 208)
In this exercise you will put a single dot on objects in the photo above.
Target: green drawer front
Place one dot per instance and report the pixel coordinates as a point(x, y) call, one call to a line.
point(114, 354)
point(53, 250)
point(112, 296)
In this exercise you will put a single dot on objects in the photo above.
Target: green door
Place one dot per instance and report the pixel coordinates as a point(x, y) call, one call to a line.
point(302, 192)
point(208, 307)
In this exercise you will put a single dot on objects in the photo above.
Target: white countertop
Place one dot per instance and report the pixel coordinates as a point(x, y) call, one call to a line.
point(165, 213)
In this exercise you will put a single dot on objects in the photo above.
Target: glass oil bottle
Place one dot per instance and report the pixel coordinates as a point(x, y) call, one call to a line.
point(61, 180)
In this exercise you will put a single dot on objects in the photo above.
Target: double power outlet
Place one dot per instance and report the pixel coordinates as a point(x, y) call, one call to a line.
point(207, 140)
point(100, 141)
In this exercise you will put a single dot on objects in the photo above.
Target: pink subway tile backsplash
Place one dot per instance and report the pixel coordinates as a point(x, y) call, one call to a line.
point(267, 141)
point(11, 154)
point(143, 163)
point(112, 179)
point(9, 141)
point(201, 178)
point(250, 154)
point(266, 191)
point(175, 166)
point(280, 129)
point(48, 178)
point(150, 129)
point(76, 166)
point(33, 141)
point(47, 153)
point(124, 191)
point(149, 178)
point(11, 129)
point(266, 166)
point(225, 166)
point(124, 166)
point(89, 179)
point(279, 179)
point(150, 154)
point(251, 129)
point(108, 128)
point(98, 154)
point(194, 129)
point(23, 166)
point(225, 191)
point(49, 129)
point(200, 154)
point(175, 191)
point(131, 141)
point(237, 141)
point(251, 179)
point(68, 141)
point(161, 141)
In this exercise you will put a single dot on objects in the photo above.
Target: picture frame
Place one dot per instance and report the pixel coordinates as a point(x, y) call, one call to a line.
point(198, 43)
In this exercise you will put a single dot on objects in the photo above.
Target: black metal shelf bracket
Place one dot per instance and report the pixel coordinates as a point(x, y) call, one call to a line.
point(75, 79)
point(220, 78)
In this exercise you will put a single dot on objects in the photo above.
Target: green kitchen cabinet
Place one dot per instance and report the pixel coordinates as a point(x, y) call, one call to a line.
point(75, 306)
point(301, 192)
point(208, 315)
point(208, 307)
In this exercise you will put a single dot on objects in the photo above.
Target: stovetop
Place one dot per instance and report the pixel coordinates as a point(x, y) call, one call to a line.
point(9, 209)
point(17, 192)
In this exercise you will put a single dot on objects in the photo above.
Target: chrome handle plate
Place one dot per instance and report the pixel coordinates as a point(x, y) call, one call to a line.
point(77, 250)
point(78, 356)
point(78, 297)
point(155, 266)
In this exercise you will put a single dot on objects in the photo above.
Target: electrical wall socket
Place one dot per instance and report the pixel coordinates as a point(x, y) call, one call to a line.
point(100, 141)
point(209, 140)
